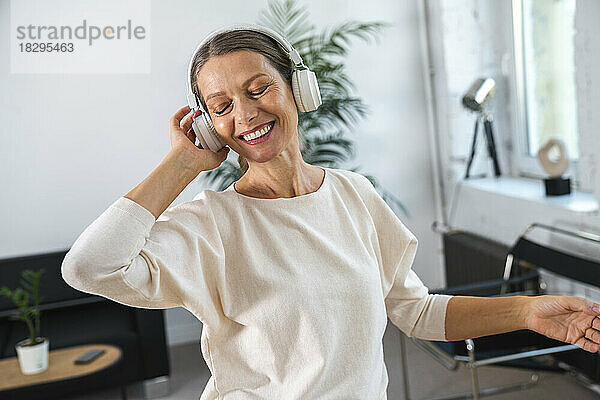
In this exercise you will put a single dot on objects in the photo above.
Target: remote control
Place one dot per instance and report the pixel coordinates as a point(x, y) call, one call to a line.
point(90, 356)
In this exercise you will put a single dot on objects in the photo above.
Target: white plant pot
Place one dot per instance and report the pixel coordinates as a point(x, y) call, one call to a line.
point(33, 359)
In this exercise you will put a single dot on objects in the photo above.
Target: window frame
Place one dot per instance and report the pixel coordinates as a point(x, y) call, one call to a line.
point(525, 164)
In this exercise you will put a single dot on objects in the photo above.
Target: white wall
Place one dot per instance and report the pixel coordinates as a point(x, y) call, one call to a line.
point(587, 76)
point(470, 39)
point(78, 142)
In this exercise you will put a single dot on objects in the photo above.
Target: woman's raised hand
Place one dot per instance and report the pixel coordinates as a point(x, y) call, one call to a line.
point(183, 140)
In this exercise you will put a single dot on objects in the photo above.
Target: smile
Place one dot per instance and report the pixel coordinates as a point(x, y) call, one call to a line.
point(258, 136)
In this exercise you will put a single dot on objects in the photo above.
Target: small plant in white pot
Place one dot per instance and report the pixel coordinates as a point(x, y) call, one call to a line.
point(33, 351)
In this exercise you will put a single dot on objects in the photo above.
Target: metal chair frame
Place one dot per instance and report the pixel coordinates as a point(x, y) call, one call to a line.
point(470, 361)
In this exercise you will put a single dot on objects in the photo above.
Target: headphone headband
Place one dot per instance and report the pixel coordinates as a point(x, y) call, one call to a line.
point(292, 53)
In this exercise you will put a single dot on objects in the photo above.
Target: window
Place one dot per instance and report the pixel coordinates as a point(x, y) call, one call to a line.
point(544, 35)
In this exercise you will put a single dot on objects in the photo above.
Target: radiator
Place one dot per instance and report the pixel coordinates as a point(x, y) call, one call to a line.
point(470, 258)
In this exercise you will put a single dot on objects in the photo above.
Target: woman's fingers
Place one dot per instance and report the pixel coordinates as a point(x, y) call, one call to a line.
point(592, 334)
point(587, 345)
point(186, 124)
point(183, 120)
point(178, 116)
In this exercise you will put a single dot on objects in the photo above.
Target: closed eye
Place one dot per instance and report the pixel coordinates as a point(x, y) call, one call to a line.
point(261, 92)
point(220, 112)
point(223, 110)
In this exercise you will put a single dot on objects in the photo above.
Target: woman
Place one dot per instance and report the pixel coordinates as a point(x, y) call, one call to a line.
point(293, 269)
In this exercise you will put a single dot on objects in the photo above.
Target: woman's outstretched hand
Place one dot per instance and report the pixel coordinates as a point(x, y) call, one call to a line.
point(183, 141)
point(570, 319)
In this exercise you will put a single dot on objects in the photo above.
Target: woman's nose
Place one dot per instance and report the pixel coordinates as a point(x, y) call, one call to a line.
point(245, 112)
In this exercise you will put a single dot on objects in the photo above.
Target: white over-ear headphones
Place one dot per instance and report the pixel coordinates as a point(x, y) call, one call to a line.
point(304, 87)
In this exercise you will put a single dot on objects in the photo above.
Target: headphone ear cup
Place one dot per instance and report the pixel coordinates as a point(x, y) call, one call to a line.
point(199, 134)
point(306, 90)
point(206, 133)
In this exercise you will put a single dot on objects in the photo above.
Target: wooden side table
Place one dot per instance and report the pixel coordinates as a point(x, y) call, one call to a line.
point(61, 366)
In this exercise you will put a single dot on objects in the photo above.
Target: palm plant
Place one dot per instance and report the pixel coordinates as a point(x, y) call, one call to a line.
point(321, 132)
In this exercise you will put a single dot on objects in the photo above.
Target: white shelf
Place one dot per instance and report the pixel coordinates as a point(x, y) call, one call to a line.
point(533, 190)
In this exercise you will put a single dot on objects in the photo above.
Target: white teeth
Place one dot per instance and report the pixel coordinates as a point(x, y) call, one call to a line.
point(258, 133)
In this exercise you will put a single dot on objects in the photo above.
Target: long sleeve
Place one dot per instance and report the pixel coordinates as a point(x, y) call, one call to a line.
point(408, 303)
point(127, 256)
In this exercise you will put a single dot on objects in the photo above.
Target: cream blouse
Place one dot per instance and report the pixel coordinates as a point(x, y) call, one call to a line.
point(293, 293)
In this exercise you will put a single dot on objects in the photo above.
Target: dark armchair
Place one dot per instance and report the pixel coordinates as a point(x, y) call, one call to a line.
point(542, 253)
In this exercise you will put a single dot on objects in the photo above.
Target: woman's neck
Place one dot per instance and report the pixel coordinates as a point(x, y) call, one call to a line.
point(290, 181)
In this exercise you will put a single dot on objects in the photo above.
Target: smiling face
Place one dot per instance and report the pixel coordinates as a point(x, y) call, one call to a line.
point(244, 92)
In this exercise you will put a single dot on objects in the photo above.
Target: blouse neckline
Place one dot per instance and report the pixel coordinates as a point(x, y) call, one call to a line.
point(321, 189)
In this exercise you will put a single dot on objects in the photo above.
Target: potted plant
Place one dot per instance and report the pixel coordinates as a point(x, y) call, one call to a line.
point(33, 351)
